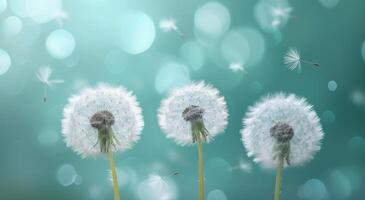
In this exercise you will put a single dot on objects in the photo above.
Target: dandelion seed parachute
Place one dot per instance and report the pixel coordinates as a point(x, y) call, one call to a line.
point(82, 137)
point(275, 110)
point(196, 94)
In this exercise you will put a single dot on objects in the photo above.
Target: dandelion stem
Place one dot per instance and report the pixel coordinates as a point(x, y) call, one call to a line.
point(201, 170)
point(310, 63)
point(279, 174)
point(114, 175)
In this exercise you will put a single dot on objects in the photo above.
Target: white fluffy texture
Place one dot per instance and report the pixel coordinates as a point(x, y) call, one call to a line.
point(289, 109)
point(82, 137)
point(292, 59)
point(199, 94)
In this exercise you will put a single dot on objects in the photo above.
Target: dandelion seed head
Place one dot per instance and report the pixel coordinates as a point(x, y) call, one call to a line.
point(44, 75)
point(203, 100)
point(292, 59)
point(102, 105)
point(281, 117)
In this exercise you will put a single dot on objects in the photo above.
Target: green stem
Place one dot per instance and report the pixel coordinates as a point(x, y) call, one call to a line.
point(114, 175)
point(279, 174)
point(201, 170)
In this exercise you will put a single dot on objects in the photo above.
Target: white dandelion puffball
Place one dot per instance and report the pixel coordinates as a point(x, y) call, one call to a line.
point(278, 109)
point(196, 94)
point(127, 124)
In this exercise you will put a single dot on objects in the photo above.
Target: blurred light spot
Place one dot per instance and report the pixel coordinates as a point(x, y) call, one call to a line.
point(38, 10)
point(157, 188)
point(211, 20)
point(363, 51)
point(5, 62)
point(272, 14)
point(12, 26)
point(96, 192)
point(60, 44)
point(313, 189)
point(216, 195)
point(136, 32)
point(48, 137)
point(357, 145)
point(256, 44)
point(332, 86)
point(217, 172)
point(340, 185)
point(193, 54)
point(329, 3)
point(3, 5)
point(66, 175)
point(171, 75)
point(328, 116)
point(116, 61)
point(78, 180)
point(235, 47)
point(79, 85)
point(243, 166)
point(358, 97)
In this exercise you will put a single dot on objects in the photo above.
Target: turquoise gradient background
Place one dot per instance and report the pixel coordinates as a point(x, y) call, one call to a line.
point(32, 151)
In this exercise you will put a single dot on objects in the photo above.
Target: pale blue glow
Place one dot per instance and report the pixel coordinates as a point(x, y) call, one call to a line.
point(48, 137)
point(329, 3)
point(193, 54)
point(5, 62)
point(340, 185)
point(363, 51)
point(211, 21)
point(235, 48)
point(12, 26)
point(3, 5)
point(60, 44)
point(256, 44)
point(313, 189)
point(332, 86)
point(328, 116)
point(136, 32)
point(171, 75)
point(216, 195)
point(40, 11)
point(66, 175)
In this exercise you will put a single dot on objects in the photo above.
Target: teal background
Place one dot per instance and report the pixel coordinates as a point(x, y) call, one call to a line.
point(333, 37)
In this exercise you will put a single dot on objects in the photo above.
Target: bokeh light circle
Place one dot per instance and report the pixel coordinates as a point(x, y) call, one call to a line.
point(116, 61)
point(363, 51)
point(12, 26)
point(216, 195)
point(66, 175)
point(5, 62)
point(268, 17)
point(329, 3)
point(235, 47)
point(328, 117)
point(332, 86)
point(313, 189)
point(256, 43)
point(340, 185)
point(211, 21)
point(157, 187)
point(3, 5)
point(193, 54)
point(60, 44)
point(172, 74)
point(136, 32)
point(40, 11)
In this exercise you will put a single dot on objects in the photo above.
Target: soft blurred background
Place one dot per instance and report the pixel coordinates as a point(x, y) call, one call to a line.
point(152, 46)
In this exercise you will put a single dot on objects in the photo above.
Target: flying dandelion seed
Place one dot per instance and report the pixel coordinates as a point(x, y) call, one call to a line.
point(293, 60)
point(169, 24)
point(44, 75)
point(237, 67)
